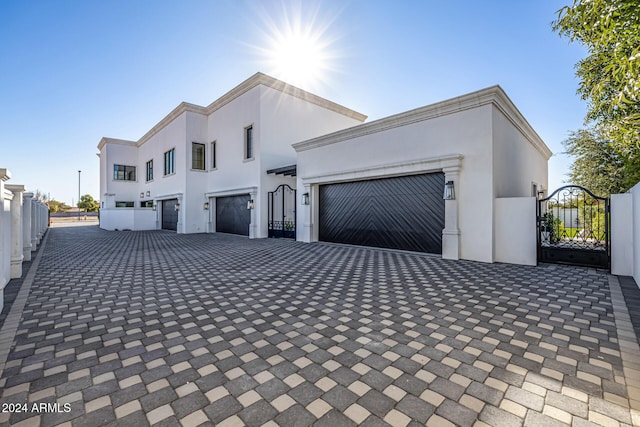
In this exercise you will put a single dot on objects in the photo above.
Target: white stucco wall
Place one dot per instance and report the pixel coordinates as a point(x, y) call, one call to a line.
point(635, 191)
point(515, 230)
point(466, 132)
point(622, 234)
point(279, 116)
point(518, 163)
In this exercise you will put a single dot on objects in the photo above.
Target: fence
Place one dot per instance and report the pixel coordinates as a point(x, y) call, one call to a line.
point(23, 221)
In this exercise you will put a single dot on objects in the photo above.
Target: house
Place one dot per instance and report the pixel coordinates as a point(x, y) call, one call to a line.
point(456, 178)
point(382, 183)
point(200, 168)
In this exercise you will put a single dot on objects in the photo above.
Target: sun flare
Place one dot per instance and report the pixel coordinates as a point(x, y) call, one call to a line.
point(297, 48)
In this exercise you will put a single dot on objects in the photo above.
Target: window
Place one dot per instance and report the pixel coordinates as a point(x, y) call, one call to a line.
point(213, 155)
point(150, 170)
point(124, 204)
point(124, 173)
point(170, 162)
point(248, 143)
point(146, 204)
point(197, 156)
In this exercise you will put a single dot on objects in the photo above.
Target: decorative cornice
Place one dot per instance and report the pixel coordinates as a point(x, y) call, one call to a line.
point(273, 83)
point(232, 192)
point(430, 164)
point(5, 175)
point(253, 81)
point(106, 140)
point(15, 188)
point(492, 95)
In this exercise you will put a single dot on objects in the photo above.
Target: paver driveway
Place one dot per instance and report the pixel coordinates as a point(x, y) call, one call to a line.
point(154, 328)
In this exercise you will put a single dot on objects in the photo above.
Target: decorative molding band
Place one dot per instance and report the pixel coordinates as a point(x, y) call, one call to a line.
point(253, 81)
point(493, 95)
point(413, 167)
point(106, 140)
point(5, 175)
point(232, 192)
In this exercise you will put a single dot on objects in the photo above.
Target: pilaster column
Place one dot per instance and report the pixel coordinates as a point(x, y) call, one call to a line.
point(5, 233)
point(305, 217)
point(253, 225)
point(451, 232)
point(34, 224)
point(16, 230)
point(26, 225)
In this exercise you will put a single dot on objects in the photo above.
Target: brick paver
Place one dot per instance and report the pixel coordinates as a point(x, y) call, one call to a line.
point(155, 328)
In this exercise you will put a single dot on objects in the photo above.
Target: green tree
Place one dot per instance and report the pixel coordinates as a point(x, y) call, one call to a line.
point(597, 165)
point(56, 206)
point(88, 204)
point(610, 74)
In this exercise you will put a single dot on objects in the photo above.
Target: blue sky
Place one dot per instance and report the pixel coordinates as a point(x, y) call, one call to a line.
point(72, 72)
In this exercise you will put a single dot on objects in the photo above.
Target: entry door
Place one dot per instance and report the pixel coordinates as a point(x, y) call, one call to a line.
point(232, 215)
point(401, 212)
point(169, 214)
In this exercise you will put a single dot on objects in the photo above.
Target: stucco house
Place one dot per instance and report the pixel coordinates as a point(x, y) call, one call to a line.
point(199, 168)
point(454, 178)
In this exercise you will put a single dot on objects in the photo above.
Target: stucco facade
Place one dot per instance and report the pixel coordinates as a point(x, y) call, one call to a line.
point(278, 115)
point(479, 142)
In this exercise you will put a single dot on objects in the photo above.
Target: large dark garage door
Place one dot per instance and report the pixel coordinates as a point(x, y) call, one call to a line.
point(402, 213)
point(232, 215)
point(169, 214)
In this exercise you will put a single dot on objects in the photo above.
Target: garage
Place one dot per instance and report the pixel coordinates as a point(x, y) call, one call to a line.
point(404, 212)
point(169, 214)
point(232, 215)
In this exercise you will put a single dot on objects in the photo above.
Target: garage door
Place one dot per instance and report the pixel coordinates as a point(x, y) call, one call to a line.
point(169, 214)
point(400, 213)
point(232, 215)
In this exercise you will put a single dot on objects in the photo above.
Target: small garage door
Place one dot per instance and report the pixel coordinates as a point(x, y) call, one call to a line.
point(400, 213)
point(232, 215)
point(169, 214)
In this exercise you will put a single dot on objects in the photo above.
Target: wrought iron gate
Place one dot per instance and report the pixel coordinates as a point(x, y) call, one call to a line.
point(282, 212)
point(573, 228)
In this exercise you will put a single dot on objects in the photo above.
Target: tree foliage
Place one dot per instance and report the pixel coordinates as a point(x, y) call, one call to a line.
point(599, 164)
point(610, 74)
point(88, 204)
point(56, 206)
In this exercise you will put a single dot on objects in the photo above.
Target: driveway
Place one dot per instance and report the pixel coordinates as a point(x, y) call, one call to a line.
point(156, 328)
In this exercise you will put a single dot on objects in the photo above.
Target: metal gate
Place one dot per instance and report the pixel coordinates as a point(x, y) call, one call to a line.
point(282, 212)
point(573, 228)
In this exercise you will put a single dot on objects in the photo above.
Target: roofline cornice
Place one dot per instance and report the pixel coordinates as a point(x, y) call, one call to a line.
point(106, 140)
point(493, 95)
point(279, 85)
point(253, 81)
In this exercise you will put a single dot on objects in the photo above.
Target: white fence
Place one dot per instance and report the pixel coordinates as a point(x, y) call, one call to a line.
point(23, 222)
point(625, 233)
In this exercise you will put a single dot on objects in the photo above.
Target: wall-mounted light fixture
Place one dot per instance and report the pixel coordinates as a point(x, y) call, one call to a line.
point(154, 207)
point(148, 193)
point(141, 195)
point(177, 206)
point(250, 204)
point(305, 198)
point(206, 206)
point(449, 191)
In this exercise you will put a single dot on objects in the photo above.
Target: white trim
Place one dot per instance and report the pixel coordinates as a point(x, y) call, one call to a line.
point(493, 95)
point(233, 192)
point(412, 167)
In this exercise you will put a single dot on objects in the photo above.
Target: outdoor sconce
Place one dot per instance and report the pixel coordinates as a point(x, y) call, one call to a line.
point(305, 198)
point(177, 207)
point(206, 206)
point(250, 204)
point(449, 192)
point(154, 206)
point(148, 193)
point(141, 195)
